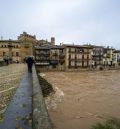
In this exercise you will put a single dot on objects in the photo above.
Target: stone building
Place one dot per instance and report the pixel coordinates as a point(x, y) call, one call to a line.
point(17, 50)
point(63, 57)
point(97, 55)
point(118, 56)
point(27, 44)
point(108, 57)
point(50, 57)
point(10, 49)
point(46, 42)
point(77, 56)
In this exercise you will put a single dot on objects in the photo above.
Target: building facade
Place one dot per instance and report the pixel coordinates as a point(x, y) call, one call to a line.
point(57, 57)
point(10, 50)
point(77, 56)
point(108, 57)
point(65, 57)
point(17, 50)
point(50, 57)
point(97, 55)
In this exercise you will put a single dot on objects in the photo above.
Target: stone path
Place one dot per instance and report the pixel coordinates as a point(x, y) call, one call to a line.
point(10, 77)
point(18, 113)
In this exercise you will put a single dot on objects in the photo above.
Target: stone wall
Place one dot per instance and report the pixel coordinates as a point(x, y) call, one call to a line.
point(41, 119)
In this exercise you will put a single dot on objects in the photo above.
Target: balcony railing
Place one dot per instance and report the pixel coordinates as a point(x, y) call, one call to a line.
point(62, 56)
point(78, 59)
point(54, 62)
point(71, 51)
point(42, 59)
point(43, 53)
point(54, 54)
point(42, 63)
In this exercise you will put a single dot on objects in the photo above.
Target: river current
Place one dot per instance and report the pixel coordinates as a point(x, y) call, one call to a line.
point(88, 97)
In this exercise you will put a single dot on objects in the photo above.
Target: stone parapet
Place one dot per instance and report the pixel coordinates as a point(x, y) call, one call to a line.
point(41, 118)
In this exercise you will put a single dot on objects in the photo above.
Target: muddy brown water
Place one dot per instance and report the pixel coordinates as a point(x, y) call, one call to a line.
point(89, 97)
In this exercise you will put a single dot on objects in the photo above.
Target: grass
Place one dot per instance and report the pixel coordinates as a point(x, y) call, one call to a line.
point(112, 123)
point(46, 86)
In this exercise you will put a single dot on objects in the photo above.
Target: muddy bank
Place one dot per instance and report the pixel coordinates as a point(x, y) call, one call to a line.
point(89, 97)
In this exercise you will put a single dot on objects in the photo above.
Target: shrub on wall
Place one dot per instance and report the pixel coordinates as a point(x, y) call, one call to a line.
point(46, 86)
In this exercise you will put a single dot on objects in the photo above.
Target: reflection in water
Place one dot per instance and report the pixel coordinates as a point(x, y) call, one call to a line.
point(90, 97)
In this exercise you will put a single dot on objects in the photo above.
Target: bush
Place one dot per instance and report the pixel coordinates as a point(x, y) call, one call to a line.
point(2, 63)
point(112, 123)
point(46, 86)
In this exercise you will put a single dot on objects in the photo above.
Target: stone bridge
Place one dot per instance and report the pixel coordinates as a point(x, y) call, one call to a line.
point(27, 109)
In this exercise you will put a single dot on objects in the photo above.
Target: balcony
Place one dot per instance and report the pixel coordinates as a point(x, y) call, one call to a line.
point(61, 61)
point(10, 46)
point(62, 56)
point(54, 62)
point(54, 54)
point(42, 59)
point(79, 59)
point(42, 63)
point(72, 58)
point(71, 51)
point(43, 53)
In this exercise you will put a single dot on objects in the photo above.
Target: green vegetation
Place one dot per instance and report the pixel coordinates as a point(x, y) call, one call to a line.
point(46, 86)
point(1, 63)
point(112, 123)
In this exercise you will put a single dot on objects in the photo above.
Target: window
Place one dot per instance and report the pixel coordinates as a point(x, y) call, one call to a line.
point(80, 50)
point(17, 53)
point(61, 51)
point(83, 57)
point(79, 56)
point(72, 49)
point(72, 63)
point(3, 53)
point(85, 50)
point(79, 64)
point(72, 56)
point(69, 49)
point(87, 56)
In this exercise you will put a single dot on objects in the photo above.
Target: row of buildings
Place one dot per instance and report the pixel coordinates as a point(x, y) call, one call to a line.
point(49, 56)
point(70, 56)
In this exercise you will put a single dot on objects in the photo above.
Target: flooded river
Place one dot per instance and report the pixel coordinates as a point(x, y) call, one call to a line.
point(89, 97)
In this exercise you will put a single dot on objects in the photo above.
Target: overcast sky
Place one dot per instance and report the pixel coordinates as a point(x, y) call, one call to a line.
point(69, 21)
